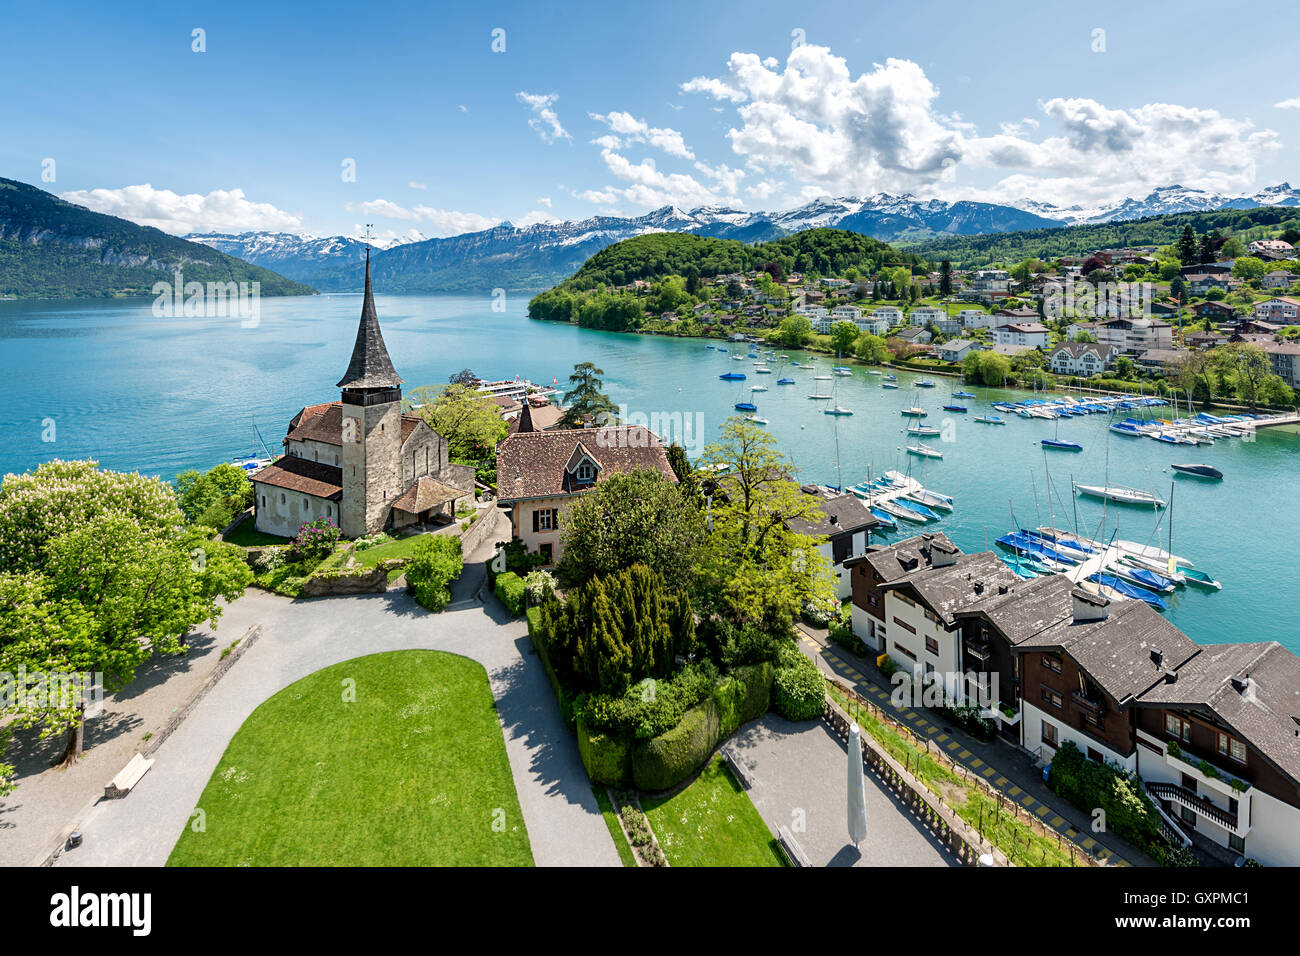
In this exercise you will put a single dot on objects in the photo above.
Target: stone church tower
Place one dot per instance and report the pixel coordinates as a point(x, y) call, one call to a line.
point(372, 428)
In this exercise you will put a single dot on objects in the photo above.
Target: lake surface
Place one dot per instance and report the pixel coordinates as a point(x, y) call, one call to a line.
point(160, 395)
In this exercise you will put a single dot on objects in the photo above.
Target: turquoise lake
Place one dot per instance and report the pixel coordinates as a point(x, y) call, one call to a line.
point(160, 395)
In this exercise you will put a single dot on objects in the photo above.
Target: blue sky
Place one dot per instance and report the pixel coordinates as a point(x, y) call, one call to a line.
point(612, 108)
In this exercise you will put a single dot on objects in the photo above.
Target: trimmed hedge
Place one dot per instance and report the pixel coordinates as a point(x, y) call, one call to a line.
point(665, 761)
point(608, 758)
point(562, 696)
point(509, 587)
point(842, 634)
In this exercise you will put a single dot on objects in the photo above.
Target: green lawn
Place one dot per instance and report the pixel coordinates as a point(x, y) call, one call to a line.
point(413, 772)
point(400, 548)
point(712, 823)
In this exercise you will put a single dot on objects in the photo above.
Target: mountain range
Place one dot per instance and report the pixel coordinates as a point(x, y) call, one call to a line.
point(537, 256)
point(55, 249)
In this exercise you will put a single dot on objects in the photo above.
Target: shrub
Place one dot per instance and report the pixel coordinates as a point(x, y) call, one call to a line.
point(315, 540)
point(509, 588)
point(798, 691)
point(668, 759)
point(842, 634)
point(1181, 856)
point(1088, 784)
point(539, 585)
point(818, 615)
point(435, 562)
point(607, 757)
point(272, 559)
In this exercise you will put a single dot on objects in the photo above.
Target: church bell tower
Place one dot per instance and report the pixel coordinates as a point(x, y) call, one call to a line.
point(372, 428)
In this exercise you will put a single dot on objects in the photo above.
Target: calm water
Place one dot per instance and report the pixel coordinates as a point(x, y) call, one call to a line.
point(161, 395)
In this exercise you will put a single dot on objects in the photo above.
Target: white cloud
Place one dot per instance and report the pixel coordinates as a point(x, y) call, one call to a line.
point(444, 222)
point(726, 178)
point(762, 190)
point(1291, 104)
point(218, 211)
point(544, 201)
point(602, 197)
point(532, 218)
point(833, 132)
point(463, 108)
point(635, 130)
point(651, 188)
point(415, 185)
point(544, 119)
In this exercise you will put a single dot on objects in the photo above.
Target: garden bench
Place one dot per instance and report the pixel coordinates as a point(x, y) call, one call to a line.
point(129, 776)
point(739, 768)
point(792, 849)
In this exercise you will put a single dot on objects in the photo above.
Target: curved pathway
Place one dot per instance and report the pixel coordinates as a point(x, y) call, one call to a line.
point(298, 638)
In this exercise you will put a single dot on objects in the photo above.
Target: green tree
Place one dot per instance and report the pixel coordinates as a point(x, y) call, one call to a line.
point(844, 336)
point(464, 377)
point(584, 399)
point(688, 481)
point(1248, 368)
point(214, 497)
point(469, 419)
point(754, 567)
point(945, 278)
point(435, 562)
point(986, 368)
point(1186, 245)
point(1124, 368)
point(872, 348)
point(1249, 267)
point(637, 517)
point(794, 332)
point(1233, 248)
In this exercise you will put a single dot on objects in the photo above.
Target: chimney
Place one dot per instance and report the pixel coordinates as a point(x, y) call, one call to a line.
point(979, 587)
point(1089, 607)
point(1002, 589)
point(943, 554)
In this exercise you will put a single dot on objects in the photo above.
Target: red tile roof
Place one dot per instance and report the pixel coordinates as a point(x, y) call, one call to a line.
point(537, 464)
point(306, 477)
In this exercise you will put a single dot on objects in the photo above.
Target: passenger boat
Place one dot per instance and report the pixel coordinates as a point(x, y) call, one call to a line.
point(924, 450)
point(1198, 471)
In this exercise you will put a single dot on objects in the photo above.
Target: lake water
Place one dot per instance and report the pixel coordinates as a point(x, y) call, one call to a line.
point(160, 395)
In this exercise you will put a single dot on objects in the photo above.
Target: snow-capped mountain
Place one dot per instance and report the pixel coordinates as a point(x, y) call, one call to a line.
point(534, 257)
point(1165, 201)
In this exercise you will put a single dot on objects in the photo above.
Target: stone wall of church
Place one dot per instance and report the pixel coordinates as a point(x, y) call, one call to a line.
point(372, 466)
point(283, 512)
point(425, 453)
point(316, 451)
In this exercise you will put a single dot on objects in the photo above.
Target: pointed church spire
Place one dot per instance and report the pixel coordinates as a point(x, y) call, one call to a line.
point(370, 366)
point(526, 418)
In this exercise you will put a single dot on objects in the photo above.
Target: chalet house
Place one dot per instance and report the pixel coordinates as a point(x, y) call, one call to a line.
point(1284, 357)
point(1278, 279)
point(1223, 269)
point(540, 473)
point(915, 336)
point(1213, 310)
point(361, 463)
point(1271, 248)
point(847, 528)
point(1087, 359)
point(1205, 340)
point(1283, 310)
point(1160, 361)
point(1199, 283)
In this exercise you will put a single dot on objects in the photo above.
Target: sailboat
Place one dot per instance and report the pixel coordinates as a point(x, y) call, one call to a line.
point(1119, 494)
point(837, 408)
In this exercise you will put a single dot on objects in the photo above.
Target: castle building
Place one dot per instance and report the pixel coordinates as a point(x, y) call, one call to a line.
point(361, 462)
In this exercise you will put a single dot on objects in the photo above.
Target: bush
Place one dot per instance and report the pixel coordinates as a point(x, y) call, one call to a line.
point(607, 757)
point(818, 615)
point(668, 759)
point(1088, 784)
point(315, 540)
point(509, 588)
point(798, 691)
point(435, 562)
point(272, 559)
point(539, 585)
point(842, 634)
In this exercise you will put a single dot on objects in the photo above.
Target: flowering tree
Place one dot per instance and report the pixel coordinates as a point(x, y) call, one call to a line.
point(98, 572)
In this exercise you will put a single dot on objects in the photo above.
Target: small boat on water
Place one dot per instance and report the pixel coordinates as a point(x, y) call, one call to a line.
point(785, 381)
point(1142, 577)
point(842, 370)
point(923, 431)
point(884, 517)
point(891, 378)
point(1201, 579)
point(1121, 495)
point(756, 420)
point(915, 412)
point(874, 371)
point(746, 407)
point(990, 420)
point(721, 349)
point(818, 396)
point(762, 370)
point(925, 383)
point(888, 385)
point(932, 499)
point(837, 410)
point(963, 394)
point(1176, 576)
point(710, 346)
point(1060, 444)
point(1198, 471)
point(1129, 590)
point(732, 376)
point(955, 408)
point(758, 388)
point(899, 510)
point(924, 450)
point(821, 378)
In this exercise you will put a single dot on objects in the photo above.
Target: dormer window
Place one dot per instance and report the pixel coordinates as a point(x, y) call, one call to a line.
point(586, 472)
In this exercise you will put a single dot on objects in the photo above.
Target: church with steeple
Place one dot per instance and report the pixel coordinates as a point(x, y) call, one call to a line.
point(361, 462)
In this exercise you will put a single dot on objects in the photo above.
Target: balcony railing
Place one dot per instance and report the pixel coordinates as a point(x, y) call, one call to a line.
point(1213, 772)
point(1193, 801)
point(1087, 703)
